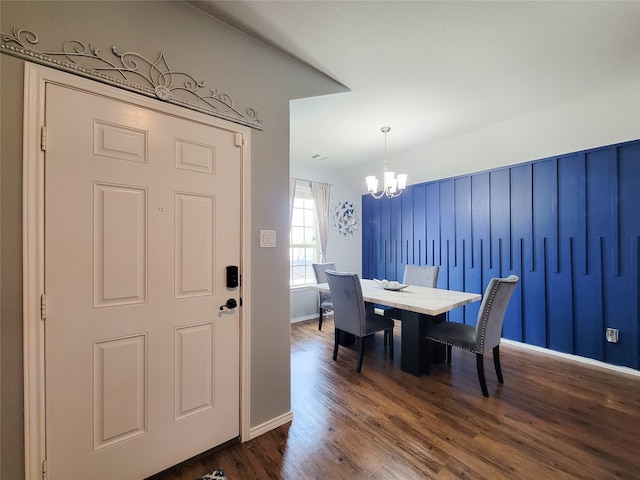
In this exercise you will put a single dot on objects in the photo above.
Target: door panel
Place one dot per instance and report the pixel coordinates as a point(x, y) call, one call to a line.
point(120, 393)
point(119, 245)
point(142, 214)
point(194, 231)
point(193, 370)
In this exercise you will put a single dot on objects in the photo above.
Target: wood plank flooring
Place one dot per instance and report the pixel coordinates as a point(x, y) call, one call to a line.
point(552, 419)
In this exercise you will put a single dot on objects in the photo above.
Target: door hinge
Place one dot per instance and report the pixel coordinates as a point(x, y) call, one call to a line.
point(43, 138)
point(44, 470)
point(43, 307)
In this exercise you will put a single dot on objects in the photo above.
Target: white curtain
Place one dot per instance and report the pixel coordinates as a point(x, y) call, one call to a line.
point(292, 195)
point(320, 192)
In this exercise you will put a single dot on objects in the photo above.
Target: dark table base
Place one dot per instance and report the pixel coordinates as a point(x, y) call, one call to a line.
point(413, 344)
point(413, 347)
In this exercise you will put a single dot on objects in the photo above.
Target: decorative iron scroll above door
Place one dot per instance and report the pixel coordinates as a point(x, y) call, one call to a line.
point(130, 71)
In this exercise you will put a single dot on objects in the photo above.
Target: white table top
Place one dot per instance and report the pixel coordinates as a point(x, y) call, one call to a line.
point(432, 301)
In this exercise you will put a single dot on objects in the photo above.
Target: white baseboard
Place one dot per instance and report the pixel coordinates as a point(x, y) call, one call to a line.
point(270, 425)
point(304, 319)
point(574, 358)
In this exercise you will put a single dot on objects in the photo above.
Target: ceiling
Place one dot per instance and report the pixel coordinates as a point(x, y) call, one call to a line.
point(432, 70)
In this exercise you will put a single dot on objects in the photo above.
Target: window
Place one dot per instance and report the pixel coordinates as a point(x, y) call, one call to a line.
point(303, 241)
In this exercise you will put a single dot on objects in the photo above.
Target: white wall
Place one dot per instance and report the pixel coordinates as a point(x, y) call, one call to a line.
point(345, 251)
point(602, 118)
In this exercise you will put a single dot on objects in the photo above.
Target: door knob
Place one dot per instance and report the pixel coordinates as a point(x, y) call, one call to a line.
point(231, 303)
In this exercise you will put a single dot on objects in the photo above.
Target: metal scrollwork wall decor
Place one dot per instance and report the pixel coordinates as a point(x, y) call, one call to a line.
point(126, 70)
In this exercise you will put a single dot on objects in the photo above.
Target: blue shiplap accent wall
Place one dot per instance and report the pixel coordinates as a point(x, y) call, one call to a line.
point(568, 226)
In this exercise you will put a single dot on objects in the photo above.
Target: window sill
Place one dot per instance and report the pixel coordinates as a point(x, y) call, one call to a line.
point(299, 288)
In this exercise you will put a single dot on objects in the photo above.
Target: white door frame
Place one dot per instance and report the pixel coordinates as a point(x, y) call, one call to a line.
point(35, 79)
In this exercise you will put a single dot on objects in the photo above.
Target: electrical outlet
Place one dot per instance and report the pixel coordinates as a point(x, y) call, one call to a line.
point(612, 335)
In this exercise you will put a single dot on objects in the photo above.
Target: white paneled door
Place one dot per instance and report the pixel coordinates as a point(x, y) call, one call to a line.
point(142, 215)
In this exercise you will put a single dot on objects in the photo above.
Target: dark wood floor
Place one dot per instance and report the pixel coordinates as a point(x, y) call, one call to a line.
point(552, 419)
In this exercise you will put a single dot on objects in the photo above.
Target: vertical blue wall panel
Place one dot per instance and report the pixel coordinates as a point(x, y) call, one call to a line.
point(406, 247)
point(479, 239)
point(572, 231)
point(545, 214)
point(625, 317)
point(522, 212)
point(453, 259)
point(480, 220)
point(395, 238)
point(572, 210)
point(370, 225)
point(589, 288)
point(463, 261)
point(433, 233)
point(383, 250)
point(534, 308)
point(447, 234)
point(560, 307)
point(513, 325)
point(500, 223)
point(569, 226)
point(419, 230)
point(462, 218)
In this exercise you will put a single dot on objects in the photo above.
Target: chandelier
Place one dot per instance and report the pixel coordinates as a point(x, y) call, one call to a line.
point(392, 185)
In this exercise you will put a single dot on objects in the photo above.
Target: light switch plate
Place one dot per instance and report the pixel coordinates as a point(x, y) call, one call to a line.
point(267, 238)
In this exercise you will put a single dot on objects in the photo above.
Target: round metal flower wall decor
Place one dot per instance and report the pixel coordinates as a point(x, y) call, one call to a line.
point(345, 218)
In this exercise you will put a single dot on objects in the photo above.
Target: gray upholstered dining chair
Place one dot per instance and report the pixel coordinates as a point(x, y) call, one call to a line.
point(324, 299)
point(352, 315)
point(485, 335)
point(419, 275)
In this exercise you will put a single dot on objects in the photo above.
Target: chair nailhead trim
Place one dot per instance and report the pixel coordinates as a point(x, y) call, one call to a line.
point(492, 295)
point(457, 346)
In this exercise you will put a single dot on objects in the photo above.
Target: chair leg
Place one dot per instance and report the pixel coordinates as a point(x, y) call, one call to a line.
point(335, 344)
point(390, 332)
point(386, 337)
point(496, 363)
point(320, 322)
point(483, 380)
point(360, 344)
point(428, 355)
point(449, 348)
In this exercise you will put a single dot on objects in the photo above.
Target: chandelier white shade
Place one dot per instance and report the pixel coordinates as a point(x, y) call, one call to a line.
point(392, 186)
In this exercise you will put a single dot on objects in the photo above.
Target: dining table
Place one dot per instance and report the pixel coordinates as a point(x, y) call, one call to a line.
point(417, 308)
